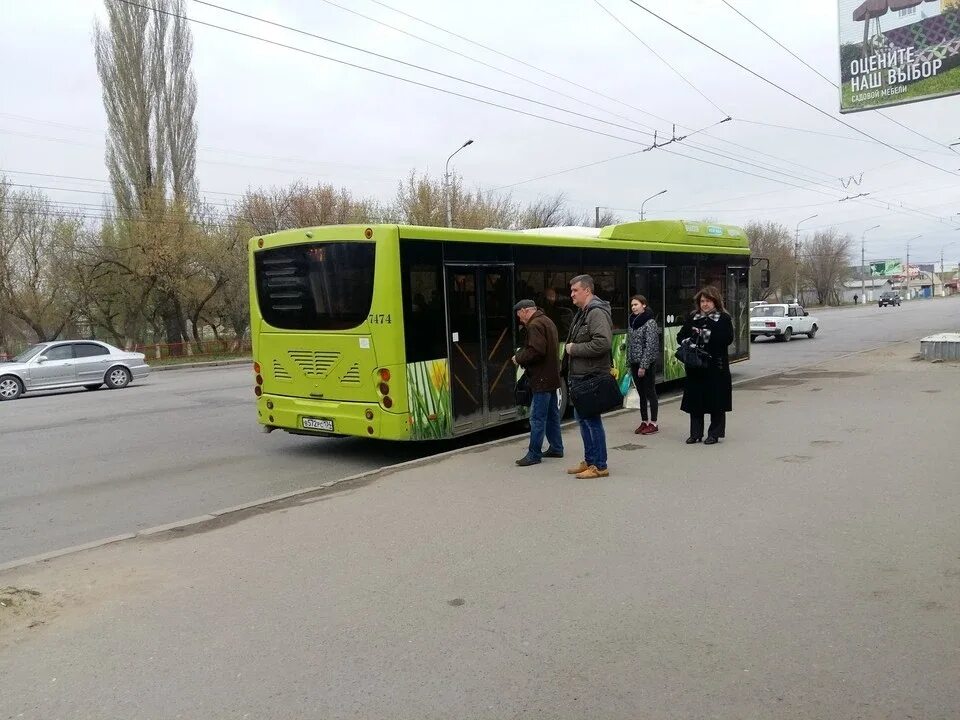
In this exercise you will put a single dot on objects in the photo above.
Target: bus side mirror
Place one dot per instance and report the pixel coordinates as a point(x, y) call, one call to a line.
point(765, 279)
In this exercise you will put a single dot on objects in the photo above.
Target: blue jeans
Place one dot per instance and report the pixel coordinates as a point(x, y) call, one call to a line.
point(544, 421)
point(594, 440)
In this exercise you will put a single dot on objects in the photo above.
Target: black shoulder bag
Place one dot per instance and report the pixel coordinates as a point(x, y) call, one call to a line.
point(593, 395)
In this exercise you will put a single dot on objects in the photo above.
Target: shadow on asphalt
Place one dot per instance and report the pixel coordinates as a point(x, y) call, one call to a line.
point(387, 452)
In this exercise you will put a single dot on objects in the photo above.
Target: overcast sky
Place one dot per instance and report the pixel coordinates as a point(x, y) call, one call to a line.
point(269, 116)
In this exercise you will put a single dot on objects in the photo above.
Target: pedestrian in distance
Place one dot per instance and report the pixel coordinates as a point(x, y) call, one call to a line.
point(643, 350)
point(708, 389)
point(587, 352)
point(539, 357)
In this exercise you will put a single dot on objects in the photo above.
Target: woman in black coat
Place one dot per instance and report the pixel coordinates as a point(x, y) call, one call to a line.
point(710, 389)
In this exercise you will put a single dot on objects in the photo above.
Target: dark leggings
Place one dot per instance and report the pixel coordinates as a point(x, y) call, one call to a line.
point(647, 390)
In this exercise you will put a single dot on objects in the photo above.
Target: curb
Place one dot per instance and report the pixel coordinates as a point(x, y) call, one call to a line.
point(206, 364)
point(370, 474)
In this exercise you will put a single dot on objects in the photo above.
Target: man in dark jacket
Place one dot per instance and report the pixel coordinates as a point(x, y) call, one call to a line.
point(540, 358)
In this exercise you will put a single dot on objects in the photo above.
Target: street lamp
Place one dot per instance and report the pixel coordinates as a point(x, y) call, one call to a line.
point(648, 199)
point(796, 260)
point(863, 282)
point(446, 181)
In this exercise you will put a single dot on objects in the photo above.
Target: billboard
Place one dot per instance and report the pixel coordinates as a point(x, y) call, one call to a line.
point(886, 268)
point(897, 51)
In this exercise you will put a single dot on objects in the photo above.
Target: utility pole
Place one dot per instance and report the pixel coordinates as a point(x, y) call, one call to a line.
point(796, 260)
point(863, 283)
point(907, 269)
point(597, 221)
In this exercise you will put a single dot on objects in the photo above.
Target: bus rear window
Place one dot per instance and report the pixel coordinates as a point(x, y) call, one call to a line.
point(317, 286)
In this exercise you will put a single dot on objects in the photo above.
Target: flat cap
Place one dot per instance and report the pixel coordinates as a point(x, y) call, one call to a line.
point(524, 304)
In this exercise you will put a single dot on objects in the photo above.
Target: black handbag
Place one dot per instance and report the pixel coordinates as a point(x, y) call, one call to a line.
point(523, 391)
point(693, 356)
point(593, 395)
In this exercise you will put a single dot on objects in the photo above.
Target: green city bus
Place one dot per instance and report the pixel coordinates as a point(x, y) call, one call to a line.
point(407, 333)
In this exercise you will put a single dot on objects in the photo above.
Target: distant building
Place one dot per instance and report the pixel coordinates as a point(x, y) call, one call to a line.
point(874, 286)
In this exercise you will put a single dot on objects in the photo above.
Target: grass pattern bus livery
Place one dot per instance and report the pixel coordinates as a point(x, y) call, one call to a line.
point(407, 333)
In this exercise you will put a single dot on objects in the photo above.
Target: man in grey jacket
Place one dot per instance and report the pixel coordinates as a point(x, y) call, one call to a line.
point(588, 353)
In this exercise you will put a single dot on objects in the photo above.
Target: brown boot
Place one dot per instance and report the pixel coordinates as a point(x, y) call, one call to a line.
point(582, 467)
point(592, 473)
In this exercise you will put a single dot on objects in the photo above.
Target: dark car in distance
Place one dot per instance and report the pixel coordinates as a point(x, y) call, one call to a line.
point(889, 298)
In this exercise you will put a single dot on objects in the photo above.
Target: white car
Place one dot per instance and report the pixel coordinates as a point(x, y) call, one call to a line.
point(78, 363)
point(782, 322)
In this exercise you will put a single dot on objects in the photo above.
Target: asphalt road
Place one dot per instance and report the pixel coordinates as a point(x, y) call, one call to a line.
point(79, 466)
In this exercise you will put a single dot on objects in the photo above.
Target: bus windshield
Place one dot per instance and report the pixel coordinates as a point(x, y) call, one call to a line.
point(315, 286)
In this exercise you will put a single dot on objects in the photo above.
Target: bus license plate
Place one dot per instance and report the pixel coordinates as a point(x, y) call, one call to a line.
point(310, 423)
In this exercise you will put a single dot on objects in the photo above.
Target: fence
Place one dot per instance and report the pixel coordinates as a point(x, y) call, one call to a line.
point(196, 350)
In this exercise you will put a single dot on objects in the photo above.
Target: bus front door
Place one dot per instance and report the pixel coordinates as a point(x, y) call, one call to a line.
point(481, 345)
point(737, 301)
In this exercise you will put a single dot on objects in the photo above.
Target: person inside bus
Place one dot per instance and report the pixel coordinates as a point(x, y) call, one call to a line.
point(644, 348)
point(588, 348)
point(708, 389)
point(553, 308)
point(539, 358)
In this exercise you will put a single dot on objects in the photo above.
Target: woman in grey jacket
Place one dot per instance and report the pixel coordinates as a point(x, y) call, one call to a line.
point(644, 348)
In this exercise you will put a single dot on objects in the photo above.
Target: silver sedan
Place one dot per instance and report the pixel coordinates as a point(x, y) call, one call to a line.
point(64, 364)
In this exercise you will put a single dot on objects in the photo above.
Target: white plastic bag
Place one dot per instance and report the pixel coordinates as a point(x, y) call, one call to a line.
point(632, 398)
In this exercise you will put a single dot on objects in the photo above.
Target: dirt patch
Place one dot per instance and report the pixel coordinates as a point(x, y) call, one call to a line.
point(797, 459)
point(824, 443)
point(23, 608)
point(629, 447)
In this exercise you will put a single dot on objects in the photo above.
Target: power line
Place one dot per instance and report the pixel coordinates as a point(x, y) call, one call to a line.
point(484, 63)
point(421, 68)
point(784, 90)
point(769, 168)
point(520, 62)
point(824, 77)
point(661, 58)
point(309, 34)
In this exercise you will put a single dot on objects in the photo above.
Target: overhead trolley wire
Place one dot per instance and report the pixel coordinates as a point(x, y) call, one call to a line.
point(784, 90)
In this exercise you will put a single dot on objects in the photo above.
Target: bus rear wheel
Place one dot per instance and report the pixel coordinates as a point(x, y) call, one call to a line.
point(563, 398)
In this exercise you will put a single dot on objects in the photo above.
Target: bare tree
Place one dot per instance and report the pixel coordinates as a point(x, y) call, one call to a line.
point(772, 241)
point(825, 264)
point(143, 58)
point(546, 212)
point(421, 200)
point(38, 249)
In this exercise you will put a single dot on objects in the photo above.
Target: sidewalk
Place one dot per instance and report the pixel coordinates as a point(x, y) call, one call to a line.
point(807, 567)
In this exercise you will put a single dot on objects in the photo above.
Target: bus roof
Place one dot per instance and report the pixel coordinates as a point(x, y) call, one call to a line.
point(653, 232)
point(653, 235)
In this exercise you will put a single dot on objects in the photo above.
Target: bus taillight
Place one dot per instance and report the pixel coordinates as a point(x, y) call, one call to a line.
point(384, 389)
point(388, 402)
point(257, 390)
point(256, 368)
point(259, 379)
point(385, 374)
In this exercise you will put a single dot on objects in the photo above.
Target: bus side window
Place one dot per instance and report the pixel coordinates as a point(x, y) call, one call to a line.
point(423, 307)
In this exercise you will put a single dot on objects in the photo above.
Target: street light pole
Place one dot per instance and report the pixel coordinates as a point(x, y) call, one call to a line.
point(796, 260)
point(863, 282)
point(648, 199)
point(446, 182)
